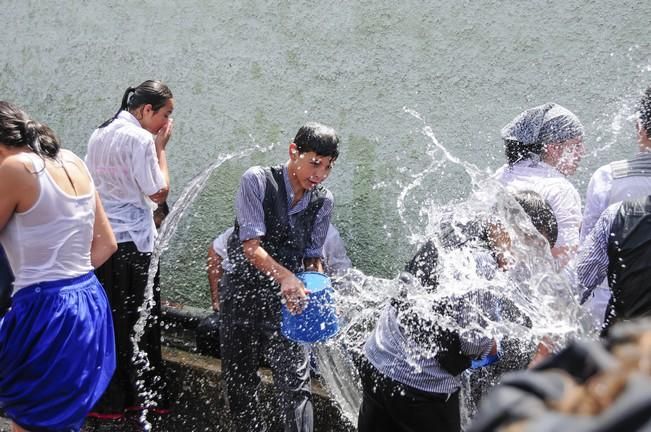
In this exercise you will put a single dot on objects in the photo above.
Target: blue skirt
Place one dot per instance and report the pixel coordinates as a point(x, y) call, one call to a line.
point(57, 353)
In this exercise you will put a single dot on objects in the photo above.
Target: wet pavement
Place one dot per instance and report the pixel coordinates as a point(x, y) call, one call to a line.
point(5, 425)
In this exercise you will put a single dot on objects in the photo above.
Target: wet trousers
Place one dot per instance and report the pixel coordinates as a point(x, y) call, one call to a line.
point(389, 406)
point(247, 332)
point(124, 277)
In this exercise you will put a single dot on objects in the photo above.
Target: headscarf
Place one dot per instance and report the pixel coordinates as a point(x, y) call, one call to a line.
point(543, 125)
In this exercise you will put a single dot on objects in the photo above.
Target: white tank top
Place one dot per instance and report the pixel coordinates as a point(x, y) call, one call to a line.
point(51, 240)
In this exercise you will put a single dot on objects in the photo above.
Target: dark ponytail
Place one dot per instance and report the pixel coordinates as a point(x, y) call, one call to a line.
point(150, 92)
point(18, 130)
point(516, 150)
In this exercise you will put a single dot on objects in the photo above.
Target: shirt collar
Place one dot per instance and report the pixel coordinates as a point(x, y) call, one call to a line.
point(290, 194)
point(127, 116)
point(527, 164)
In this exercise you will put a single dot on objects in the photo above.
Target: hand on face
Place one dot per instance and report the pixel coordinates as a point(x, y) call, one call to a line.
point(164, 134)
point(158, 120)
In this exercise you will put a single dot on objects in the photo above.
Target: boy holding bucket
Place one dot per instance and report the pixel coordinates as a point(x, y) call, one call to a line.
point(282, 217)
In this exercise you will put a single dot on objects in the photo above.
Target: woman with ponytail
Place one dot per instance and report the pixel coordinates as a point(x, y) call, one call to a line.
point(544, 145)
point(126, 157)
point(57, 352)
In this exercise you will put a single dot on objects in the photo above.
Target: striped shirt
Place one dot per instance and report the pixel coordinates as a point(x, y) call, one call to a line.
point(249, 209)
point(401, 359)
point(592, 264)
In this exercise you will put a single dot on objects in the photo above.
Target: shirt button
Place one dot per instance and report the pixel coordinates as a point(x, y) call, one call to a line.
point(37, 290)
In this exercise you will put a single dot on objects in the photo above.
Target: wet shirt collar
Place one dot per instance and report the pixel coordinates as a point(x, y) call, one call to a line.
point(302, 204)
point(127, 116)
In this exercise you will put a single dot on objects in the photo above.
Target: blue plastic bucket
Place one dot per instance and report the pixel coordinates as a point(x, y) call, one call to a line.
point(318, 320)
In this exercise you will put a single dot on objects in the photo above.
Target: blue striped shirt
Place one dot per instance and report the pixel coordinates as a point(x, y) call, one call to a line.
point(398, 357)
point(249, 209)
point(592, 263)
point(402, 360)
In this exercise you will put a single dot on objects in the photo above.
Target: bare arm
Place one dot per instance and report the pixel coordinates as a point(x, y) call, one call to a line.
point(291, 288)
point(11, 177)
point(162, 137)
point(313, 264)
point(103, 244)
point(215, 273)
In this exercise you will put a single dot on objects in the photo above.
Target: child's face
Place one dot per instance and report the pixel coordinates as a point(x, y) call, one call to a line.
point(566, 156)
point(307, 170)
point(154, 121)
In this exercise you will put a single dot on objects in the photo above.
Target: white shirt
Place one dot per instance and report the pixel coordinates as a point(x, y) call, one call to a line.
point(50, 241)
point(605, 190)
point(220, 246)
point(554, 188)
point(122, 160)
point(334, 251)
point(335, 259)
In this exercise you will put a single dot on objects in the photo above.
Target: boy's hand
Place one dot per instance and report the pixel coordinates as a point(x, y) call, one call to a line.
point(544, 350)
point(294, 294)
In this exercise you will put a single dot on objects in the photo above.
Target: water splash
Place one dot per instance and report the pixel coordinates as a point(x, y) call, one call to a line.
point(532, 282)
point(166, 232)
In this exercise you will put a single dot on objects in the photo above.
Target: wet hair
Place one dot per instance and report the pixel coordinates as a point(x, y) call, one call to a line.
point(17, 129)
point(644, 110)
point(317, 138)
point(516, 151)
point(424, 265)
point(531, 131)
point(150, 92)
point(541, 214)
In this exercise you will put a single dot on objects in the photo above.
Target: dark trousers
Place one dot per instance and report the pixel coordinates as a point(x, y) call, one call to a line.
point(124, 277)
point(389, 406)
point(247, 332)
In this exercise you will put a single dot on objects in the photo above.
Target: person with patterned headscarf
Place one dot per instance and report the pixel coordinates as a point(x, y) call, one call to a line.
point(543, 145)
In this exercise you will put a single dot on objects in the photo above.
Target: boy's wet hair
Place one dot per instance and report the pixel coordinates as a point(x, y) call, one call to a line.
point(424, 264)
point(317, 138)
point(644, 110)
point(541, 214)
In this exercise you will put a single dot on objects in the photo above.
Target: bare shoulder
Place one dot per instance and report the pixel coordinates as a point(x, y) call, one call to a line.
point(16, 176)
point(17, 165)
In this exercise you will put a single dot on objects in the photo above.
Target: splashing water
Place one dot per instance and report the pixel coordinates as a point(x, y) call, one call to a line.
point(532, 283)
point(166, 232)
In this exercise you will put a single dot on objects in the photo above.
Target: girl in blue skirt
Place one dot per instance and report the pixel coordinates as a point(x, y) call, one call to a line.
point(57, 350)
